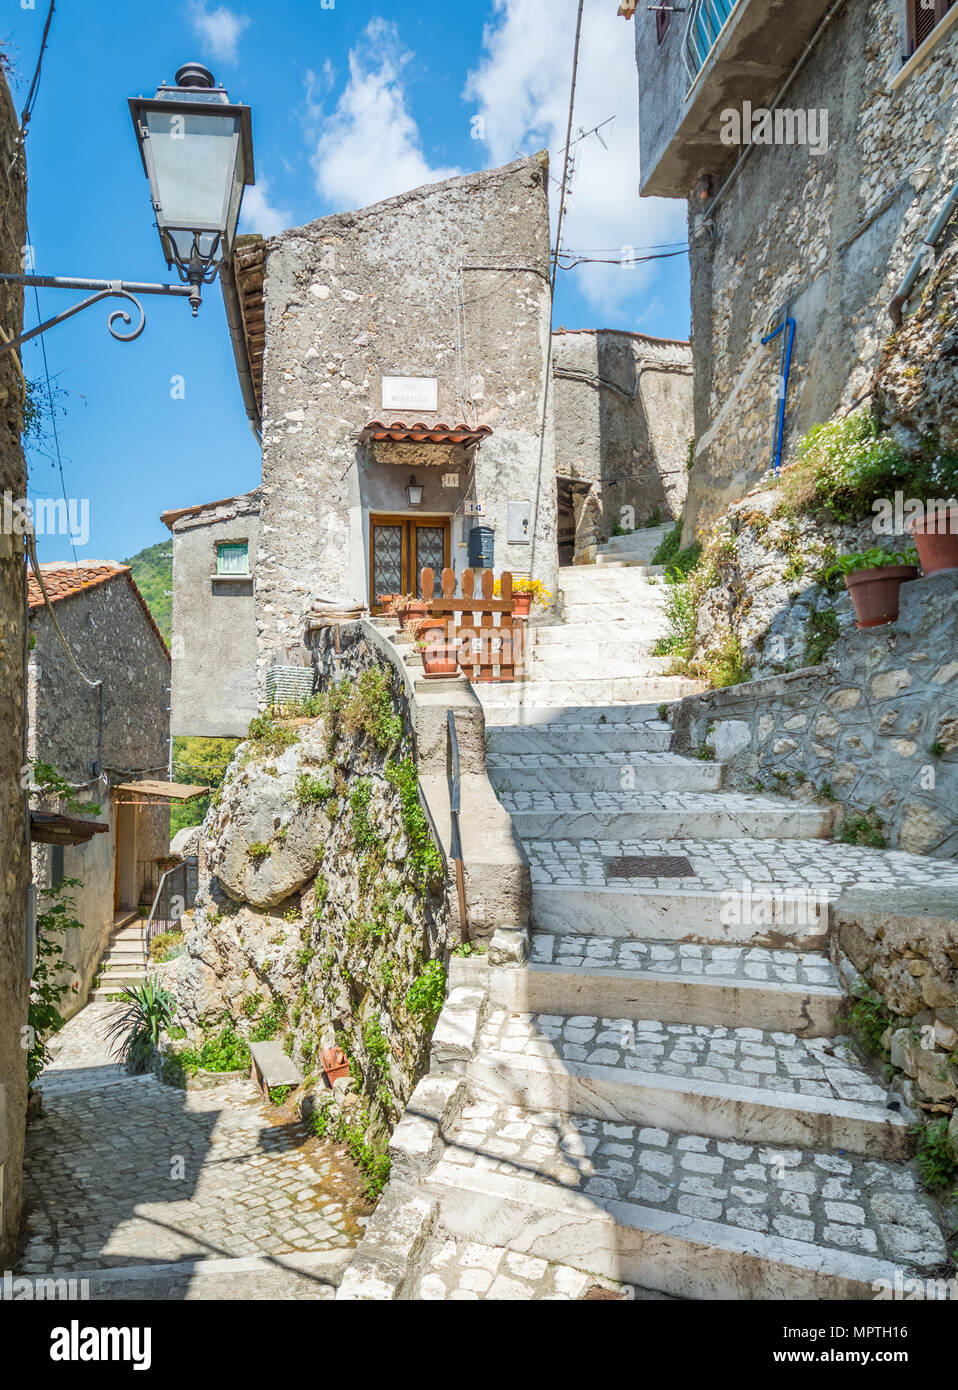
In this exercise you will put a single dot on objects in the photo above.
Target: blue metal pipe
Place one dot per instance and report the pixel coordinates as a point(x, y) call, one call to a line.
point(784, 374)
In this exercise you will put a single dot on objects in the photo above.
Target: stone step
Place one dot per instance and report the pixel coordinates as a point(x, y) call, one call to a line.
point(643, 542)
point(544, 739)
point(601, 815)
point(621, 562)
point(740, 1084)
point(766, 892)
point(737, 987)
point(565, 772)
point(530, 713)
point(603, 660)
point(686, 1214)
point(626, 634)
point(601, 581)
point(598, 690)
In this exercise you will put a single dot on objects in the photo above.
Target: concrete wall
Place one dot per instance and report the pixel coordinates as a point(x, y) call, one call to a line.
point(113, 639)
point(449, 282)
point(14, 855)
point(828, 237)
point(623, 421)
point(214, 623)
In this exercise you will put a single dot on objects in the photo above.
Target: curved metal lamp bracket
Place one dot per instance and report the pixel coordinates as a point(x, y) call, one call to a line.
point(104, 289)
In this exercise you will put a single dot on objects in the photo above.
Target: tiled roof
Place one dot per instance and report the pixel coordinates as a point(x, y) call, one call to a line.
point(66, 581)
point(418, 433)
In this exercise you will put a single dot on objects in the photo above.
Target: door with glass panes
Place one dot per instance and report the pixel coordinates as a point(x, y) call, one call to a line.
point(400, 548)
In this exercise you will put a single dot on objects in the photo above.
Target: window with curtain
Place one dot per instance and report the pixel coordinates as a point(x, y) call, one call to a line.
point(232, 558)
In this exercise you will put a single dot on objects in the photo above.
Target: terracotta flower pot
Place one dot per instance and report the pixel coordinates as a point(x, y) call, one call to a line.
point(440, 660)
point(386, 602)
point(875, 593)
point(936, 540)
point(523, 605)
point(414, 611)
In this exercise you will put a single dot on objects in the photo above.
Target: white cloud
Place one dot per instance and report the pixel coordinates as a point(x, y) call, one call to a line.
point(521, 89)
point(370, 147)
point(259, 214)
point(219, 29)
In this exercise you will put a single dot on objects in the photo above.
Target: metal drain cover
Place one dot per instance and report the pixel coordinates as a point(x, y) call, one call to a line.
point(656, 866)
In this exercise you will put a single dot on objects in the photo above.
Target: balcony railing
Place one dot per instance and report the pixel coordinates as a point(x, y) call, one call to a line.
point(707, 19)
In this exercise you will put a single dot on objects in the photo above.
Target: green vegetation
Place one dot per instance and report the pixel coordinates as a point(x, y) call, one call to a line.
point(258, 850)
point(471, 948)
point(270, 1023)
point(675, 559)
point(423, 855)
point(936, 1156)
point(55, 917)
point(844, 464)
point(377, 1046)
point(870, 1019)
point(153, 574)
point(427, 992)
point(270, 733)
point(874, 559)
point(821, 634)
point(136, 1032)
point(223, 1051)
point(166, 946)
point(312, 791)
point(867, 829)
point(363, 707)
point(279, 1094)
point(202, 762)
point(48, 782)
point(365, 835)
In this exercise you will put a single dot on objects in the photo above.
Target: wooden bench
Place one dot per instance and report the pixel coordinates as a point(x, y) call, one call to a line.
point(271, 1067)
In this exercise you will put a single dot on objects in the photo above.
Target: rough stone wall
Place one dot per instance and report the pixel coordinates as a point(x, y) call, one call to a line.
point(335, 923)
point(830, 237)
point(14, 854)
point(448, 281)
point(623, 413)
point(113, 640)
point(214, 624)
point(876, 725)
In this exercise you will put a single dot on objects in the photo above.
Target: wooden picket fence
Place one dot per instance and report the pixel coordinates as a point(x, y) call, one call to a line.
point(488, 636)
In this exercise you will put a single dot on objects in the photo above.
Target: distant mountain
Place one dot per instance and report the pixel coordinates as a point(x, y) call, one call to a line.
point(153, 571)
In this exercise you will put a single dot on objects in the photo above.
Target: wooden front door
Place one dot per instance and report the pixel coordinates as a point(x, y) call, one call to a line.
point(400, 548)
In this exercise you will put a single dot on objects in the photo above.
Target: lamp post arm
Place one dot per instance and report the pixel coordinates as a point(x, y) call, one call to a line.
point(104, 289)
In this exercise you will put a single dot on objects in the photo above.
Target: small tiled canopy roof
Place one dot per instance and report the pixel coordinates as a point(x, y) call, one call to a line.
point(400, 433)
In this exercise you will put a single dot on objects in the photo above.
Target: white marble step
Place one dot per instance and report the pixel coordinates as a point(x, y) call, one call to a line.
point(741, 1084)
point(683, 1213)
point(629, 632)
point(532, 713)
point(736, 987)
point(618, 562)
point(598, 690)
point(612, 815)
point(590, 610)
point(608, 772)
point(603, 582)
point(642, 543)
point(552, 738)
point(601, 659)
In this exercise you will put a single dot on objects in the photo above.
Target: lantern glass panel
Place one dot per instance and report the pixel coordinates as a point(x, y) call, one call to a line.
point(194, 158)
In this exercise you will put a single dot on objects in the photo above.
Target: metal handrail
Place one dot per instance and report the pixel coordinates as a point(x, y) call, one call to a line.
point(150, 927)
point(455, 840)
point(707, 19)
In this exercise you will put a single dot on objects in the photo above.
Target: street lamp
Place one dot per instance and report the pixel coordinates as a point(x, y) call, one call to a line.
point(414, 492)
point(197, 151)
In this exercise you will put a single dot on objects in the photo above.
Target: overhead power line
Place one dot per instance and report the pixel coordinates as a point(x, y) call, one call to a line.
point(568, 142)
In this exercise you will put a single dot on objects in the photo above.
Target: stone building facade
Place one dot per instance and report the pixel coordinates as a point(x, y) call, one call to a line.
point(214, 617)
point(14, 844)
point(114, 640)
point(623, 422)
point(819, 227)
point(430, 309)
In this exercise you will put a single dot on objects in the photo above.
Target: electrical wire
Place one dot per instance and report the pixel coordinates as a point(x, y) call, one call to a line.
point(568, 143)
point(35, 84)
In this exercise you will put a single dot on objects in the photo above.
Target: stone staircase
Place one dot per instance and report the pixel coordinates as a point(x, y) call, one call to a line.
point(635, 550)
point(648, 1094)
point(125, 960)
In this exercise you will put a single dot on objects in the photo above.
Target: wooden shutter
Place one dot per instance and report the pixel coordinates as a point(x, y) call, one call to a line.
point(923, 16)
point(662, 20)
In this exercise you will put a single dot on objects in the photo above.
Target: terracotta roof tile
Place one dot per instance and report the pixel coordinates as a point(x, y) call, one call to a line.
point(439, 433)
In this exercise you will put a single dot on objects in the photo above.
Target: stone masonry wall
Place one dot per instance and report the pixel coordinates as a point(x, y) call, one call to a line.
point(829, 237)
point(322, 897)
point(450, 282)
point(14, 852)
point(623, 413)
point(876, 726)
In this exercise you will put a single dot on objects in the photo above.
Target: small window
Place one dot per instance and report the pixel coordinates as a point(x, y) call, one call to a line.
point(923, 17)
point(232, 558)
point(56, 867)
point(663, 17)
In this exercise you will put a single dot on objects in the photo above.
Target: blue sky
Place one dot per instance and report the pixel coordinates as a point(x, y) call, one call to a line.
point(351, 102)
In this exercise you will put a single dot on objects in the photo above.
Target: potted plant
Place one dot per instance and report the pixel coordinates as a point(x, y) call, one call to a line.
point(408, 607)
point(440, 657)
point(874, 578)
point(386, 602)
point(524, 590)
point(936, 537)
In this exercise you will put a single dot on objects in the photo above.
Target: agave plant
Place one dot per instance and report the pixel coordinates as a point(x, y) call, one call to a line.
point(136, 1032)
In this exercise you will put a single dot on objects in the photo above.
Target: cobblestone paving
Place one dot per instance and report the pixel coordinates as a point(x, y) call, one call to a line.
point(547, 762)
point(617, 802)
point(735, 1056)
point(725, 962)
point(123, 1171)
point(467, 1271)
point(829, 1199)
point(723, 865)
